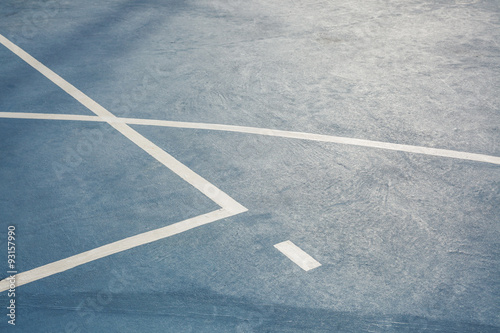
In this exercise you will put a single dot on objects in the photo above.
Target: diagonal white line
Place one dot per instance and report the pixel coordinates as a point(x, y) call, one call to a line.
point(202, 185)
point(322, 138)
point(115, 247)
point(272, 132)
point(297, 255)
point(219, 197)
point(229, 205)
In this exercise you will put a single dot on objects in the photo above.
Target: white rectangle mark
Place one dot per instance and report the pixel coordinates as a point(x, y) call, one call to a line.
point(297, 255)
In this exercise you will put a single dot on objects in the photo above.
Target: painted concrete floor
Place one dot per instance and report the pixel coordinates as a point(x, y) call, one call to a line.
point(154, 152)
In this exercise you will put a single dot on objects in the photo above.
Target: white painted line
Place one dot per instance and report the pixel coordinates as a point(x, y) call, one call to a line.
point(277, 133)
point(297, 255)
point(115, 247)
point(322, 138)
point(229, 206)
point(202, 185)
point(56, 79)
point(50, 116)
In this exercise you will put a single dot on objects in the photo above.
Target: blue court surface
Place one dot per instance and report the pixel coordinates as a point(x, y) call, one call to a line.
point(250, 166)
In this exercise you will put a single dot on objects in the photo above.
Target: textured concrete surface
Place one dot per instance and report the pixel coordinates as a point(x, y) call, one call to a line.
point(407, 243)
